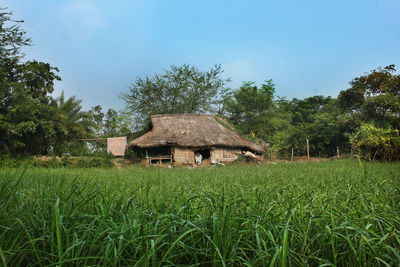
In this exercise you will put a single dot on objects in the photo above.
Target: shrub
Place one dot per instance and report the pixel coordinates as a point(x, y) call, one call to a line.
point(84, 162)
point(7, 160)
point(132, 156)
point(48, 163)
point(376, 143)
point(66, 162)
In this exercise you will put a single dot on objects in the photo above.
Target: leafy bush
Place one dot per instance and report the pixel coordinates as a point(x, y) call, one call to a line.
point(132, 156)
point(80, 162)
point(101, 163)
point(7, 160)
point(53, 162)
point(376, 143)
point(84, 162)
point(67, 162)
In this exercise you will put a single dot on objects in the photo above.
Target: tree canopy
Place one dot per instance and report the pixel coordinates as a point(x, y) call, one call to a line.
point(181, 89)
point(31, 121)
point(374, 97)
point(252, 109)
point(372, 106)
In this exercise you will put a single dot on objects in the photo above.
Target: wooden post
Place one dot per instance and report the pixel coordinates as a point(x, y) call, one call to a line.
point(147, 156)
point(291, 158)
point(338, 152)
point(308, 150)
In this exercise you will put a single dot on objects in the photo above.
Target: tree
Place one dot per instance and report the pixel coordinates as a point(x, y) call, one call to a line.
point(23, 87)
point(126, 125)
point(253, 111)
point(12, 37)
point(182, 89)
point(371, 107)
point(96, 116)
point(70, 124)
point(304, 109)
point(111, 123)
point(28, 90)
point(314, 118)
point(374, 97)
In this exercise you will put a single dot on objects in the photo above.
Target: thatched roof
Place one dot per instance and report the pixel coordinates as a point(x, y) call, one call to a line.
point(192, 130)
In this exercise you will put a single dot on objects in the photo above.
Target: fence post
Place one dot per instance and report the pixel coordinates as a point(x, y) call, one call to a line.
point(308, 150)
point(291, 158)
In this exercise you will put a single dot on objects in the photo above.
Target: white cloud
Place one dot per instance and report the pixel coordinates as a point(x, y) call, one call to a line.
point(85, 13)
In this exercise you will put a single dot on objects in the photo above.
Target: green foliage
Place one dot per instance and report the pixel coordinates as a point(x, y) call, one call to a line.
point(93, 162)
point(30, 120)
point(373, 142)
point(23, 87)
point(111, 123)
point(372, 109)
point(118, 123)
point(12, 37)
point(28, 90)
point(250, 108)
point(71, 124)
point(314, 118)
point(374, 97)
point(53, 162)
point(181, 89)
point(334, 213)
point(132, 156)
point(73, 162)
point(96, 116)
point(285, 124)
point(10, 161)
point(67, 162)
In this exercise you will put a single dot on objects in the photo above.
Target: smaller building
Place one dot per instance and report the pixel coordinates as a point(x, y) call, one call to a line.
point(180, 138)
point(116, 145)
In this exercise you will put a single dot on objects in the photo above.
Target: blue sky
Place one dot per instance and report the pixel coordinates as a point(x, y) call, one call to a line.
point(306, 47)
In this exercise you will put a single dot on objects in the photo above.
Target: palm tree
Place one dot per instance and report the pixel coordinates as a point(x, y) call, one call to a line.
point(71, 123)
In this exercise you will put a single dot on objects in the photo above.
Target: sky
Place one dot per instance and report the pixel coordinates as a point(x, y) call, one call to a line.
point(309, 47)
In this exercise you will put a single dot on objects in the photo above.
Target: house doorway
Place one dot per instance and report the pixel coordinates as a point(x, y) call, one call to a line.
point(204, 152)
point(201, 155)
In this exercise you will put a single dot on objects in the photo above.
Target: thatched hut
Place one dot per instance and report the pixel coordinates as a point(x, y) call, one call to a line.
point(179, 137)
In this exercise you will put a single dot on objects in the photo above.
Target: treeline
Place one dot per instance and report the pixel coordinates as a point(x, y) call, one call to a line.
point(363, 119)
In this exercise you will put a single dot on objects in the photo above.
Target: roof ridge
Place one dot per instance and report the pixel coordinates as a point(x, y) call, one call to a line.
point(181, 115)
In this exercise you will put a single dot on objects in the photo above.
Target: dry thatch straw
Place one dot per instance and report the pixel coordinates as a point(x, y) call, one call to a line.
point(193, 130)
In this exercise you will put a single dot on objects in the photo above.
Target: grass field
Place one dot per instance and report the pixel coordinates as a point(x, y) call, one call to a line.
point(320, 213)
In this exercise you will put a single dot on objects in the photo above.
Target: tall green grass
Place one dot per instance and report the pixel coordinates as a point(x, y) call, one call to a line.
point(302, 214)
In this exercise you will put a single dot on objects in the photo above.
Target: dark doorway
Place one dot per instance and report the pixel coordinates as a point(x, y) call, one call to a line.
point(205, 153)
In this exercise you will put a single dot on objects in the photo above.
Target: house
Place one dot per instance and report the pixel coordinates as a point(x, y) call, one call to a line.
point(180, 137)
